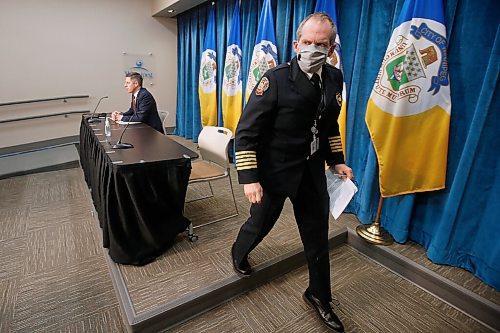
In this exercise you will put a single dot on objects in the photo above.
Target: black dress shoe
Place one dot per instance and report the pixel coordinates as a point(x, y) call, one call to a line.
point(325, 313)
point(243, 268)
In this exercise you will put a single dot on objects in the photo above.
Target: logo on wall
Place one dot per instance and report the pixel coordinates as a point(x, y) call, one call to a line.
point(139, 68)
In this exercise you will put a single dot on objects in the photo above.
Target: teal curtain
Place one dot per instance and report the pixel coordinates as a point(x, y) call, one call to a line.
point(191, 33)
point(458, 226)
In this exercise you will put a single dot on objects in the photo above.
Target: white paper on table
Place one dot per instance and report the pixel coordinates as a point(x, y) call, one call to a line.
point(128, 122)
point(340, 191)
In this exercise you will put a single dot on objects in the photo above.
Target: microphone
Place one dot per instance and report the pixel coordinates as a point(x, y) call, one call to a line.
point(122, 145)
point(93, 118)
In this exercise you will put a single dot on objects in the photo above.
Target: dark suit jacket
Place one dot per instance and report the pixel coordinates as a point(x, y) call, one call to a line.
point(273, 137)
point(145, 111)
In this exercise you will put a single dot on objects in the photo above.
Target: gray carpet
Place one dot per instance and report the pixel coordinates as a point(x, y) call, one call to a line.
point(54, 276)
point(368, 298)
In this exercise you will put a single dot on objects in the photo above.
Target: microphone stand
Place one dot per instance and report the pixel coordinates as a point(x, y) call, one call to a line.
point(92, 118)
point(123, 145)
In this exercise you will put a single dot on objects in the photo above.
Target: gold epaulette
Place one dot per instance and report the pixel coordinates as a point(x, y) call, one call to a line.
point(246, 159)
point(335, 144)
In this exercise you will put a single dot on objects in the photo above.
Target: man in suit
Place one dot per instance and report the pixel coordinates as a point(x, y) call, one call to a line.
point(143, 106)
point(285, 134)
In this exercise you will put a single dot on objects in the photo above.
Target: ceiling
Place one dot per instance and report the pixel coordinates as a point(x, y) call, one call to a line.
point(172, 8)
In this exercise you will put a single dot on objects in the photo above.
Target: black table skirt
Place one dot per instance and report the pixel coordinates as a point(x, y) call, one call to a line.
point(139, 206)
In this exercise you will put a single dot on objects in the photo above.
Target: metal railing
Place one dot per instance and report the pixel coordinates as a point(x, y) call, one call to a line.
point(43, 116)
point(63, 98)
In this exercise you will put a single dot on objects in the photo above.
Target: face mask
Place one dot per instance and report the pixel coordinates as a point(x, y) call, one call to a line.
point(311, 57)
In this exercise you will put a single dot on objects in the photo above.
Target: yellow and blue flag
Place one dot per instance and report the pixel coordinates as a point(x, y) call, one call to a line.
point(207, 79)
point(232, 96)
point(408, 113)
point(265, 53)
point(335, 59)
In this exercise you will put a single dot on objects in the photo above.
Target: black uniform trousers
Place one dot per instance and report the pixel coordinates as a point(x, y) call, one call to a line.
point(311, 210)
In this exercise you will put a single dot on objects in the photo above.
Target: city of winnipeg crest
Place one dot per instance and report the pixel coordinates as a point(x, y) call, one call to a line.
point(232, 71)
point(415, 66)
point(208, 70)
point(264, 57)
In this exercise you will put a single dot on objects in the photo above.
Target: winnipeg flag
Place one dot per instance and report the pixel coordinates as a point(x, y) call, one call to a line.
point(408, 113)
point(207, 79)
point(265, 53)
point(335, 59)
point(232, 96)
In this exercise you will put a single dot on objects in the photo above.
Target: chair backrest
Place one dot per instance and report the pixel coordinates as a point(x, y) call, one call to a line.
point(213, 142)
point(163, 117)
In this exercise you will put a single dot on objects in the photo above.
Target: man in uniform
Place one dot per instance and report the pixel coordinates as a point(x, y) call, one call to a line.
point(286, 133)
point(143, 107)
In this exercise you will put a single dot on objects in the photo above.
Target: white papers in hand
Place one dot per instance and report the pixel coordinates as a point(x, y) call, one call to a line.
point(340, 191)
point(128, 122)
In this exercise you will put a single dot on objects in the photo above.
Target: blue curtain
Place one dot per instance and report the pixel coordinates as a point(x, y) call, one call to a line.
point(191, 33)
point(458, 226)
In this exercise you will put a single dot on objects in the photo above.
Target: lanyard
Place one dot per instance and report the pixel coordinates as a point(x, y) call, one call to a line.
point(314, 128)
point(319, 111)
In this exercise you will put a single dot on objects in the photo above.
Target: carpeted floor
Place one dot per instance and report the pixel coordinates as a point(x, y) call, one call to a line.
point(368, 298)
point(54, 277)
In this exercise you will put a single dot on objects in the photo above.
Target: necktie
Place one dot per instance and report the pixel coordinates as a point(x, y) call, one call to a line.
point(316, 81)
point(133, 103)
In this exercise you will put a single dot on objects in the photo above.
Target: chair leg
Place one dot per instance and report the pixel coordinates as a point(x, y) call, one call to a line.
point(191, 236)
point(225, 217)
point(232, 192)
point(205, 197)
point(211, 190)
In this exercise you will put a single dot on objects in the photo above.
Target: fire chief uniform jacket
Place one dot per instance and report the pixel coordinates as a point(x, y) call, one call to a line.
point(273, 137)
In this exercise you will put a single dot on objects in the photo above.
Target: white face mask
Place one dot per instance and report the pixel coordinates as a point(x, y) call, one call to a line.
point(311, 57)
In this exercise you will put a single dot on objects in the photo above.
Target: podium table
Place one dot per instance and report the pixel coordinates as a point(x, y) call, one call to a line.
point(138, 193)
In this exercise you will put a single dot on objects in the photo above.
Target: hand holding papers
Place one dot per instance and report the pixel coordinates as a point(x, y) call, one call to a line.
point(340, 190)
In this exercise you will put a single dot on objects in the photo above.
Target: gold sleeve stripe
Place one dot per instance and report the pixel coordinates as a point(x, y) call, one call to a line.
point(240, 168)
point(246, 158)
point(246, 152)
point(336, 145)
point(335, 139)
point(246, 163)
point(337, 150)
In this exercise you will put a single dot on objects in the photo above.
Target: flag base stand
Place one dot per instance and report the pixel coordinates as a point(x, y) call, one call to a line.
point(374, 233)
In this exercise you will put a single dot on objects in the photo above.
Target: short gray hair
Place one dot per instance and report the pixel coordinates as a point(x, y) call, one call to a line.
point(321, 16)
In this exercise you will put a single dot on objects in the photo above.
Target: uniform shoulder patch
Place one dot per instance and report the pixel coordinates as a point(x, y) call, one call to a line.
point(262, 87)
point(339, 99)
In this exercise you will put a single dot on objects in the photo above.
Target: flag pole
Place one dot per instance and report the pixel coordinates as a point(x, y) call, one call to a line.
point(374, 233)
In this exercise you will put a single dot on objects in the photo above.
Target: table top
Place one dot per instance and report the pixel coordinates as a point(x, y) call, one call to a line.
point(149, 144)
